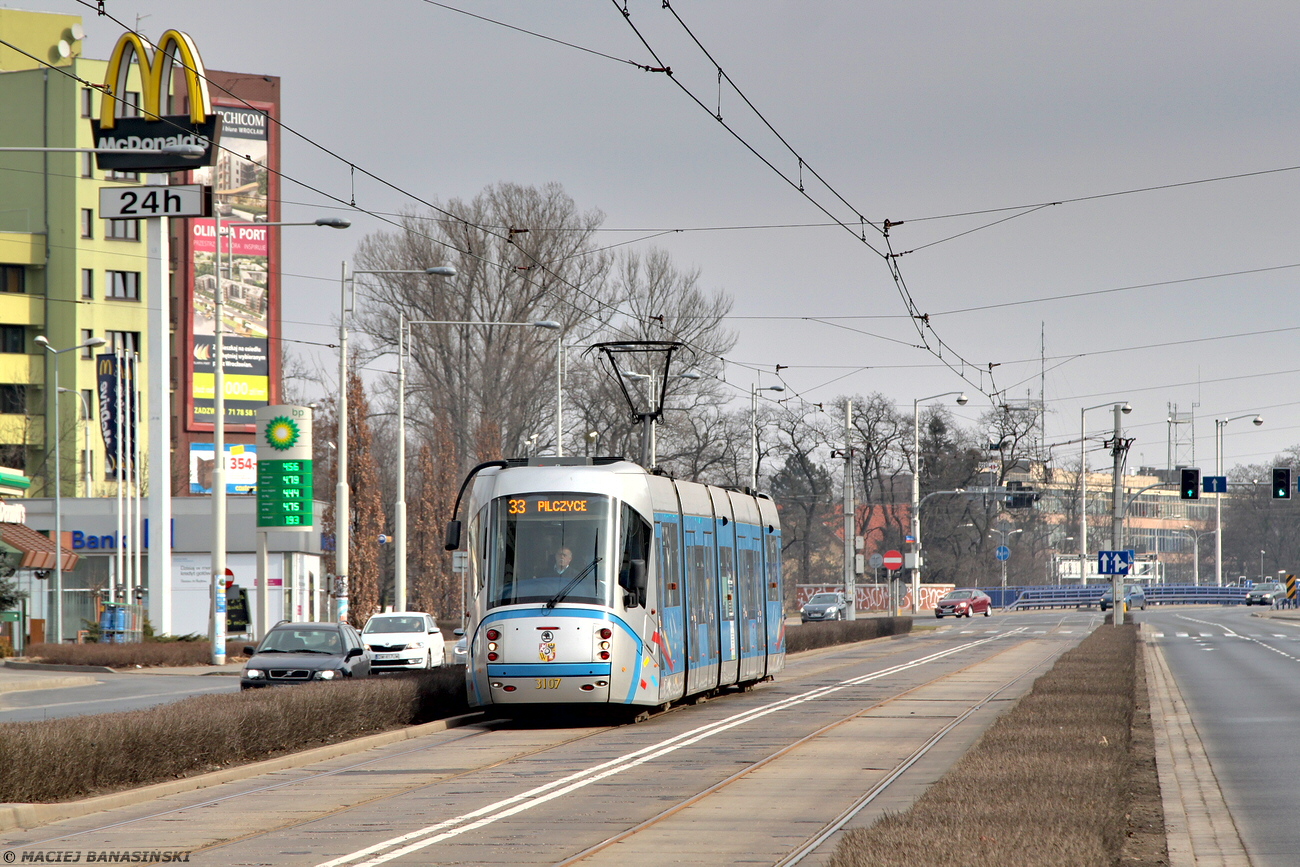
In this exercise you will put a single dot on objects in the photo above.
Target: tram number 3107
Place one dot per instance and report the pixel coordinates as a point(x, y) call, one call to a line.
point(548, 683)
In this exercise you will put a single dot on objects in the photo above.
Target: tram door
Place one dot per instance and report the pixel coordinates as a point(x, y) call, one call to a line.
point(702, 648)
point(749, 581)
point(728, 592)
point(671, 636)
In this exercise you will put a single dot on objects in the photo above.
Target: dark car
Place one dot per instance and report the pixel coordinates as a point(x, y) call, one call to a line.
point(964, 603)
point(1134, 597)
point(304, 652)
point(1265, 593)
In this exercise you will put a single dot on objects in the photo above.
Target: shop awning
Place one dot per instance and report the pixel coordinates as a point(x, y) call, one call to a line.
point(37, 549)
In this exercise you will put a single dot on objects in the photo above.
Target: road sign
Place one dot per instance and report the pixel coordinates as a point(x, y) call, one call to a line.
point(1290, 587)
point(1002, 553)
point(892, 560)
point(875, 561)
point(909, 539)
point(1114, 562)
point(1214, 484)
point(132, 203)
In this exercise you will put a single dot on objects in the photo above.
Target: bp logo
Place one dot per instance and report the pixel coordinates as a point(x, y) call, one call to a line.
point(282, 433)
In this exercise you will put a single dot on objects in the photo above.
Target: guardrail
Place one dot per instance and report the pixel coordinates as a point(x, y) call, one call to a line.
point(1078, 596)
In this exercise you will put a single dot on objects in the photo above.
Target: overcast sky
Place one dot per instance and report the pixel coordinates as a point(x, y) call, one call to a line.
point(911, 112)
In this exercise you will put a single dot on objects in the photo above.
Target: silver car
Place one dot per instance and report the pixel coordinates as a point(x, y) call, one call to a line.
point(824, 606)
point(1266, 593)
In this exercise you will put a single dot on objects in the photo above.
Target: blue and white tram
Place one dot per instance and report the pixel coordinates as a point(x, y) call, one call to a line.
point(673, 588)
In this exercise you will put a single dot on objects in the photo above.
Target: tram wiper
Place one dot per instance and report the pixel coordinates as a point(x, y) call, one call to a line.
point(554, 600)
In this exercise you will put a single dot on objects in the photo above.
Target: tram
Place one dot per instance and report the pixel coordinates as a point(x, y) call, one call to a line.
point(595, 582)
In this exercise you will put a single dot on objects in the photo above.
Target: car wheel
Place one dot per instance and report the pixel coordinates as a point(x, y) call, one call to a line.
point(938, 616)
point(986, 611)
point(428, 660)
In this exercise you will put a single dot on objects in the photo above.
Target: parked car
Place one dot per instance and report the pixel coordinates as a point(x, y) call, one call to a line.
point(824, 606)
point(303, 652)
point(404, 640)
point(1134, 597)
point(460, 650)
point(961, 603)
point(1265, 593)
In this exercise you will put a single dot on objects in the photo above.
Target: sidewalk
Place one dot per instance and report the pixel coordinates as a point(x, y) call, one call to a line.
point(14, 680)
point(19, 671)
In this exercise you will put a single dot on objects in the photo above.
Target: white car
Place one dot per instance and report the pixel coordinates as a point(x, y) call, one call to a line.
point(460, 651)
point(404, 641)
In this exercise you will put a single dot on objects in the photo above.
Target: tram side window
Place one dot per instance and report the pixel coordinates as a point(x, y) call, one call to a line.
point(670, 572)
point(750, 578)
point(636, 546)
point(773, 568)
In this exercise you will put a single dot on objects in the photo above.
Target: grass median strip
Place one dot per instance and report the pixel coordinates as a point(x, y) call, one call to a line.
point(1057, 781)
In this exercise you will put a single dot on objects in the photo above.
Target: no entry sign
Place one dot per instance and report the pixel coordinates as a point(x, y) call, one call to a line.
point(893, 560)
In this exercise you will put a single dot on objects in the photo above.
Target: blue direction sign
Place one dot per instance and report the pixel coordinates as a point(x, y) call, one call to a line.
point(1114, 562)
point(1002, 553)
point(1214, 484)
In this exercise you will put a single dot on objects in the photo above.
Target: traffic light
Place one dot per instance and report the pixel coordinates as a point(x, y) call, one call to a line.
point(1281, 483)
point(1190, 489)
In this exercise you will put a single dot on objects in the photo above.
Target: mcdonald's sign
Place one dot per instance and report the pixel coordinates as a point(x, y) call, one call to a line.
point(153, 130)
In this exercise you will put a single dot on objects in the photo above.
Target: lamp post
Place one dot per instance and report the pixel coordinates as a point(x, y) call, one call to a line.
point(1219, 425)
point(1126, 408)
point(915, 517)
point(399, 510)
point(1261, 565)
point(217, 610)
point(1196, 550)
point(58, 479)
point(753, 430)
point(1005, 534)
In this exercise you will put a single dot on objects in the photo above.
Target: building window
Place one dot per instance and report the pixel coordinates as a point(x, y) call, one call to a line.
point(87, 404)
point(87, 351)
point(87, 165)
point(12, 278)
point(87, 102)
point(13, 399)
point(123, 284)
point(116, 175)
point(87, 283)
point(87, 223)
point(123, 230)
point(127, 341)
point(13, 339)
point(130, 105)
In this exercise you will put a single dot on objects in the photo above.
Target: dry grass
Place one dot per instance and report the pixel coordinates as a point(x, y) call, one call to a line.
point(146, 654)
point(62, 759)
point(808, 636)
point(1047, 785)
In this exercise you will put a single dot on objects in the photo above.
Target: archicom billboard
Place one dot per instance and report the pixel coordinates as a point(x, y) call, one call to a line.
point(240, 184)
point(145, 127)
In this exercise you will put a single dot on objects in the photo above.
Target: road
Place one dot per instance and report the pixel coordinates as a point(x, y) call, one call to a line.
point(110, 692)
point(769, 776)
point(1239, 674)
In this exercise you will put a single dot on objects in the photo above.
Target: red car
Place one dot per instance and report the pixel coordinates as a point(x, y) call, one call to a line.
point(960, 603)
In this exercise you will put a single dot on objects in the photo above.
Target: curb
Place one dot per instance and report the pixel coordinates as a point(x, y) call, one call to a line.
point(15, 817)
point(46, 683)
point(49, 666)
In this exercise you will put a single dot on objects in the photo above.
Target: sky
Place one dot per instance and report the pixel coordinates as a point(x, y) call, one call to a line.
point(1159, 139)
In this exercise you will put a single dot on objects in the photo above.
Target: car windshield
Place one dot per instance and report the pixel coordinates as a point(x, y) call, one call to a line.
point(301, 640)
point(550, 547)
point(958, 594)
point(1268, 588)
point(824, 599)
point(395, 624)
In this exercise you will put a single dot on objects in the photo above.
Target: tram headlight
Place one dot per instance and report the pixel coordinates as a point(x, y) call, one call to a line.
point(492, 645)
point(604, 645)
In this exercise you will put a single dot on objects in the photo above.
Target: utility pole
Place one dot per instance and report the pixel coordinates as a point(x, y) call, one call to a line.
point(1119, 447)
point(850, 590)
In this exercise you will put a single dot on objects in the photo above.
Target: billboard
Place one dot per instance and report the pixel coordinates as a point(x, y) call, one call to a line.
point(241, 468)
point(240, 182)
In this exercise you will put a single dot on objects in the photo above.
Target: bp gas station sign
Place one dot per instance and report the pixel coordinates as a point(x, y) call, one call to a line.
point(284, 468)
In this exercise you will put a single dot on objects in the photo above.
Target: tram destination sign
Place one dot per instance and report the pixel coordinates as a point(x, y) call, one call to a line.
point(285, 474)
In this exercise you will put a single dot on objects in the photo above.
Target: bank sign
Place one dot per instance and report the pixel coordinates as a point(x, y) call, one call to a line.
point(144, 128)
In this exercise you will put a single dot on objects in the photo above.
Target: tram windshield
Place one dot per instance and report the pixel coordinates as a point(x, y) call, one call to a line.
point(550, 548)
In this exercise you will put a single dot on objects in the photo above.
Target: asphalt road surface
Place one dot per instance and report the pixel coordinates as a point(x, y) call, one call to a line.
point(1239, 674)
point(111, 692)
point(768, 776)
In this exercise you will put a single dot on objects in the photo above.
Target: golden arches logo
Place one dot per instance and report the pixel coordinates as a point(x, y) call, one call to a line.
point(156, 70)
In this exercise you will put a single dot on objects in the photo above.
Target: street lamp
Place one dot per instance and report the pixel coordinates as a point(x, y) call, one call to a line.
point(1219, 425)
point(1005, 535)
point(962, 400)
point(1196, 550)
point(753, 430)
point(1125, 408)
point(58, 479)
point(399, 510)
point(1261, 565)
point(217, 626)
